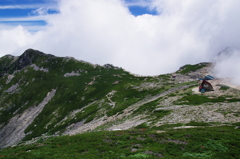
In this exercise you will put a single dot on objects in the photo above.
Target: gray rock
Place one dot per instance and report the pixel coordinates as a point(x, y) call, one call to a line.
point(12, 89)
point(13, 132)
point(36, 68)
point(71, 74)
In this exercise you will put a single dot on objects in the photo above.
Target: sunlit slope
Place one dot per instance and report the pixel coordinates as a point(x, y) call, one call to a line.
point(44, 95)
point(83, 91)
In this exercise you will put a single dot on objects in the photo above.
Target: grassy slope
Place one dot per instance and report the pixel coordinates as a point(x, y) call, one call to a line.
point(195, 99)
point(191, 68)
point(210, 142)
point(72, 93)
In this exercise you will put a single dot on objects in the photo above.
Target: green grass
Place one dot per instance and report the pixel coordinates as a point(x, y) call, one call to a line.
point(195, 99)
point(165, 76)
point(193, 123)
point(168, 126)
point(191, 68)
point(209, 142)
point(224, 87)
point(172, 95)
point(132, 96)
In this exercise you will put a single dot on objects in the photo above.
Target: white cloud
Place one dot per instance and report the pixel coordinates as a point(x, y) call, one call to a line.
point(29, 18)
point(15, 40)
point(33, 6)
point(27, 25)
point(104, 31)
point(19, 6)
point(227, 66)
point(41, 11)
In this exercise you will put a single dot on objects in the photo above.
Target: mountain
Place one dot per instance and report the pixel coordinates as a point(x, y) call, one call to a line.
point(45, 96)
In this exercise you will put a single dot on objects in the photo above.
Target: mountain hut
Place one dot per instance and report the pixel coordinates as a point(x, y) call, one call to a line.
point(205, 86)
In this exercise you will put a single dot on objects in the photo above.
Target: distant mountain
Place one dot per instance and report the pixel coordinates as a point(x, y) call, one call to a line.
point(226, 51)
point(44, 95)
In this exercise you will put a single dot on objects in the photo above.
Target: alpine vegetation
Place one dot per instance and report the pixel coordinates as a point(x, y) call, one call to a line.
point(60, 107)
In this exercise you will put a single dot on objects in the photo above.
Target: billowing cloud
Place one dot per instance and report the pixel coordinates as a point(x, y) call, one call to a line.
point(226, 65)
point(104, 31)
point(15, 40)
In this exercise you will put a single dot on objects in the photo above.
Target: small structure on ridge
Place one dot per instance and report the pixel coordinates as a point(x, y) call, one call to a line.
point(205, 85)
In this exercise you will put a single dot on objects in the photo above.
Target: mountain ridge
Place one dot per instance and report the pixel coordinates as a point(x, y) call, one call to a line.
point(47, 95)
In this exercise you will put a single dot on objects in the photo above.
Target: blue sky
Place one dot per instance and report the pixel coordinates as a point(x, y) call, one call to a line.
point(26, 13)
point(30, 13)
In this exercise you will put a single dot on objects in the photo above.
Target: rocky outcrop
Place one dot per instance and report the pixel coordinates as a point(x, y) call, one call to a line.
point(36, 68)
point(110, 66)
point(13, 89)
point(71, 74)
point(13, 132)
point(10, 77)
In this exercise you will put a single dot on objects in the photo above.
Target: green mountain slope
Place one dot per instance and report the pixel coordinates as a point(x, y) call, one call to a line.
point(90, 91)
point(43, 95)
point(209, 142)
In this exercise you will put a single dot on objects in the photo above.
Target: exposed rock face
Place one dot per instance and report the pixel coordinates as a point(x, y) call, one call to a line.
point(36, 68)
point(71, 74)
point(110, 66)
point(12, 89)
point(10, 77)
point(13, 132)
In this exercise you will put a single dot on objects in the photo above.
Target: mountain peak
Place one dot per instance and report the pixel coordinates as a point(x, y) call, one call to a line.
point(27, 58)
point(226, 51)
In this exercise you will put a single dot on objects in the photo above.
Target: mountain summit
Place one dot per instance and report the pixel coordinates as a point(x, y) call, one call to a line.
point(29, 57)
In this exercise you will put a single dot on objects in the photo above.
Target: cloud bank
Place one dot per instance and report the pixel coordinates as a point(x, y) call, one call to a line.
point(104, 31)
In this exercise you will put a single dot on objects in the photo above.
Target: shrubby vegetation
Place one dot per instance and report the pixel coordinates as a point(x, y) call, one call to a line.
point(195, 99)
point(72, 93)
point(191, 68)
point(223, 87)
point(141, 142)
